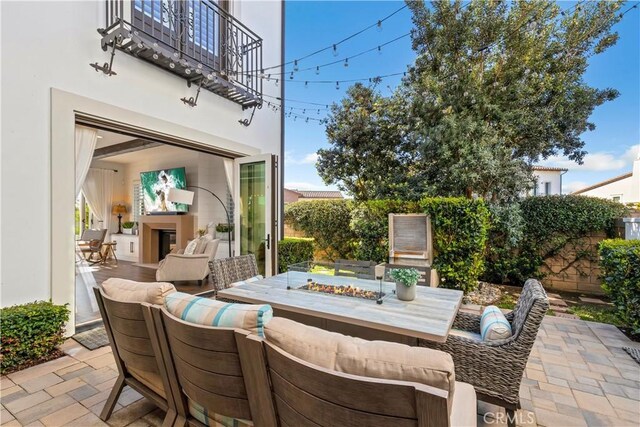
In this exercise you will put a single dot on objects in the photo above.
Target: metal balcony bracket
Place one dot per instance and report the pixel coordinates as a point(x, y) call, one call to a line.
point(107, 67)
point(247, 122)
point(191, 101)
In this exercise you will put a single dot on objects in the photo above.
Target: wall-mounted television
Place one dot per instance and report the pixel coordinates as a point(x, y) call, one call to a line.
point(155, 186)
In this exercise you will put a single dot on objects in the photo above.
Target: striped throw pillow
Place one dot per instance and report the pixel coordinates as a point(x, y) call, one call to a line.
point(209, 312)
point(493, 325)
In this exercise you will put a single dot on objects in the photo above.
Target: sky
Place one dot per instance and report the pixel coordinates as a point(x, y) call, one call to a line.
point(311, 25)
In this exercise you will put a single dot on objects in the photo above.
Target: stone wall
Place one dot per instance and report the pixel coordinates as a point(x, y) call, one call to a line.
point(575, 268)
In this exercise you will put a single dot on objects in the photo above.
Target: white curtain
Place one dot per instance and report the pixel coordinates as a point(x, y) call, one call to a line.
point(98, 191)
point(228, 170)
point(85, 143)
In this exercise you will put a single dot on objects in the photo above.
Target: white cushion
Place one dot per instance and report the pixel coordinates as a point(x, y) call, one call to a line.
point(493, 325)
point(191, 247)
point(245, 281)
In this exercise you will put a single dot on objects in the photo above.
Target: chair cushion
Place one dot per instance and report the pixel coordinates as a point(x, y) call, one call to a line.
point(376, 359)
point(191, 247)
point(249, 280)
point(201, 244)
point(204, 311)
point(130, 291)
point(200, 413)
point(464, 408)
point(494, 325)
point(150, 379)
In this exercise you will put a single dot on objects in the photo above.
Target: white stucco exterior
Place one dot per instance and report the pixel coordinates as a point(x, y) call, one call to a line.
point(625, 188)
point(548, 181)
point(46, 48)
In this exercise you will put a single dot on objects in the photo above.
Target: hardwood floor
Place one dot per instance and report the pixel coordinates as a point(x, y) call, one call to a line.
point(86, 310)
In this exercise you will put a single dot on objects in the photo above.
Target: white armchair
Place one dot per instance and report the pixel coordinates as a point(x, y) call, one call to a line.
point(178, 267)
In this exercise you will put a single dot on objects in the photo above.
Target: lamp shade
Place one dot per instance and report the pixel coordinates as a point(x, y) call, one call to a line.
point(175, 195)
point(119, 209)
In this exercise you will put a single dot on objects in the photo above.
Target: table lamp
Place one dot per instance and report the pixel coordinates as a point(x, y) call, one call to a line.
point(119, 209)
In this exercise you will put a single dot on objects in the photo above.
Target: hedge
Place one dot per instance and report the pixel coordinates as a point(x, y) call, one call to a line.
point(460, 228)
point(327, 222)
point(292, 250)
point(523, 236)
point(31, 332)
point(370, 225)
point(620, 264)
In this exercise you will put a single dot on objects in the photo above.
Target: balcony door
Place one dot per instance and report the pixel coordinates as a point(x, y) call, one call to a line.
point(255, 213)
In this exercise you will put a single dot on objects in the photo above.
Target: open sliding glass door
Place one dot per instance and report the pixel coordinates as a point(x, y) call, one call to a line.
point(255, 210)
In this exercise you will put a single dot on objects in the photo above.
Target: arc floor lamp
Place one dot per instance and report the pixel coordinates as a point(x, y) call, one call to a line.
point(175, 195)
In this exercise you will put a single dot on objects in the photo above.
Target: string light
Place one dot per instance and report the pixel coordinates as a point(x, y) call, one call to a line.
point(346, 62)
point(379, 26)
point(317, 70)
point(295, 66)
point(335, 50)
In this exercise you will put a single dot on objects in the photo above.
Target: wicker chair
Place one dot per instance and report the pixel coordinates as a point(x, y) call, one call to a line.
point(495, 368)
point(226, 271)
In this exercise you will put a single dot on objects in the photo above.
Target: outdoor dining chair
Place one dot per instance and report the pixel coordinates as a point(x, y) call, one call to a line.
point(226, 271)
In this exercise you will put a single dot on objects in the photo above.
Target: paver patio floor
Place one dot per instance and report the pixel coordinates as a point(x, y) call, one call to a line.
point(577, 375)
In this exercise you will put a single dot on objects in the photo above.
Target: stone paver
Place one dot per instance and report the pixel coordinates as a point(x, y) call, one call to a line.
point(577, 375)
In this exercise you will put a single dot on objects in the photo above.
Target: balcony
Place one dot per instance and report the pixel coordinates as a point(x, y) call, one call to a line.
point(195, 39)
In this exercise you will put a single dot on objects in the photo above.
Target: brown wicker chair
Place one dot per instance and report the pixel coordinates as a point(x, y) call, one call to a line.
point(226, 271)
point(221, 371)
point(310, 395)
point(138, 358)
point(495, 368)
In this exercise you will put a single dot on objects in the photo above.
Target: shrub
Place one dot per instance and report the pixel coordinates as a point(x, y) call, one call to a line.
point(460, 228)
point(518, 247)
point(370, 225)
point(31, 332)
point(292, 250)
point(620, 263)
point(327, 222)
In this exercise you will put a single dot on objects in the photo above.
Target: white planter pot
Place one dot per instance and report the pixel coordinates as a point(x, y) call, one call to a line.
point(405, 293)
point(127, 231)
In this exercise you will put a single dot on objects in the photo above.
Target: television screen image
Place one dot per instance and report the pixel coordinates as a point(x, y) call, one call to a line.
point(156, 185)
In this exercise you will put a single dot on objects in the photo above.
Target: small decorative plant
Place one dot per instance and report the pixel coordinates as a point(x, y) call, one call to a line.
point(224, 228)
point(128, 225)
point(407, 276)
point(202, 232)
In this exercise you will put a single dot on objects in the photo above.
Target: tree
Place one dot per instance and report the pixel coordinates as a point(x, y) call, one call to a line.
point(370, 156)
point(497, 86)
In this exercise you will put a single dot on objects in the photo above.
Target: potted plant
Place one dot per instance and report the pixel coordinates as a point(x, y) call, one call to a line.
point(406, 281)
point(127, 227)
point(223, 230)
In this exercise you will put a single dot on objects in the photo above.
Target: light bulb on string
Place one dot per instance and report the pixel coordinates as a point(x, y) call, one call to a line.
point(307, 120)
point(318, 111)
point(337, 85)
point(306, 85)
point(346, 62)
point(335, 50)
point(379, 50)
point(295, 66)
point(268, 77)
point(291, 76)
point(304, 110)
point(317, 70)
point(379, 26)
point(276, 82)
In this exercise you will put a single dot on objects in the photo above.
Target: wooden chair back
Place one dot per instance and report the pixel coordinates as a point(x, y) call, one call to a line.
point(352, 268)
point(410, 236)
point(309, 395)
point(218, 368)
point(90, 234)
point(134, 344)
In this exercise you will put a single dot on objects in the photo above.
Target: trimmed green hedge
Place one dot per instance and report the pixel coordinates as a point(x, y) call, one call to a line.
point(30, 332)
point(460, 228)
point(620, 263)
point(524, 235)
point(327, 222)
point(292, 250)
point(370, 225)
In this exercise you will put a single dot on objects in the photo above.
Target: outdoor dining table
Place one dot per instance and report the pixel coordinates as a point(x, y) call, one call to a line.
point(429, 316)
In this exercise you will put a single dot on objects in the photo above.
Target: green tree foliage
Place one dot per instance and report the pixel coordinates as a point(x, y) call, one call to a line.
point(495, 87)
point(371, 156)
point(293, 250)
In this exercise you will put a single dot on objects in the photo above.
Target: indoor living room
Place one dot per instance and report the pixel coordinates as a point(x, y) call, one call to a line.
point(127, 224)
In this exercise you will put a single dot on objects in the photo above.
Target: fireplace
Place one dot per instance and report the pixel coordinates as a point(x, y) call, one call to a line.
point(166, 242)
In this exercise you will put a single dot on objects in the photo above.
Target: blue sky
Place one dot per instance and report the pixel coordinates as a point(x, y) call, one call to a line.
point(313, 25)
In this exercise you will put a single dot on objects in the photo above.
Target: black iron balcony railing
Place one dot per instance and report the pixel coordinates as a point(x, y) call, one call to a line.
point(196, 39)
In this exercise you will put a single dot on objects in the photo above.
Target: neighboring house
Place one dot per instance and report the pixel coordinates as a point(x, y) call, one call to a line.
point(624, 188)
point(291, 196)
point(164, 52)
point(548, 180)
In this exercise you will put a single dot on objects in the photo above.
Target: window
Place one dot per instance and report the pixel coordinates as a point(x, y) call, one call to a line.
point(617, 198)
point(547, 188)
point(138, 202)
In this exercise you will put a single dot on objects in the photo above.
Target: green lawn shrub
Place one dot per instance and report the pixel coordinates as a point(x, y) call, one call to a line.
point(327, 222)
point(370, 225)
point(620, 264)
point(293, 250)
point(460, 227)
point(30, 332)
point(525, 234)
